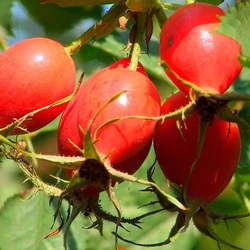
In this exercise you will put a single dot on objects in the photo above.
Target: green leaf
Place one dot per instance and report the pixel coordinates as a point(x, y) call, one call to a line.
point(6, 16)
point(56, 19)
point(25, 222)
point(236, 23)
point(67, 3)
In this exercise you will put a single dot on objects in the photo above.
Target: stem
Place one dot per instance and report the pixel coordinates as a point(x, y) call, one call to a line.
point(171, 6)
point(160, 13)
point(136, 51)
point(195, 88)
point(181, 113)
point(98, 28)
point(30, 146)
point(117, 175)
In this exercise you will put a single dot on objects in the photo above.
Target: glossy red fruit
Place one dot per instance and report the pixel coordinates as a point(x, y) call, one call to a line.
point(34, 73)
point(126, 141)
point(124, 63)
point(195, 52)
point(176, 152)
point(121, 139)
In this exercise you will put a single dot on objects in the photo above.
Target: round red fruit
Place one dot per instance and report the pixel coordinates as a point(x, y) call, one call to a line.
point(176, 152)
point(193, 50)
point(34, 73)
point(121, 139)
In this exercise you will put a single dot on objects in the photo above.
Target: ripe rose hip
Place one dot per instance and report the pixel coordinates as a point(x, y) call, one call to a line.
point(34, 73)
point(176, 151)
point(190, 46)
point(125, 142)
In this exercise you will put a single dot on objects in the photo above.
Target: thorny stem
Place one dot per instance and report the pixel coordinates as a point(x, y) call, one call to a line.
point(98, 28)
point(59, 161)
point(109, 217)
point(31, 175)
point(181, 113)
point(194, 87)
point(115, 174)
point(31, 148)
point(136, 50)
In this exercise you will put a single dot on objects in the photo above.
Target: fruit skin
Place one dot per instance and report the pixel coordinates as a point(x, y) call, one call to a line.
point(191, 48)
point(34, 73)
point(121, 139)
point(175, 155)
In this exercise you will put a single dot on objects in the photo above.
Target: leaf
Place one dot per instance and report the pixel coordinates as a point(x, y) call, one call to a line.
point(67, 3)
point(236, 23)
point(24, 223)
point(6, 16)
point(56, 19)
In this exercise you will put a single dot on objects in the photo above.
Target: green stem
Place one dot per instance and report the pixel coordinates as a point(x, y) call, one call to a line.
point(171, 6)
point(30, 146)
point(117, 175)
point(181, 113)
point(136, 51)
point(98, 28)
point(160, 13)
point(192, 86)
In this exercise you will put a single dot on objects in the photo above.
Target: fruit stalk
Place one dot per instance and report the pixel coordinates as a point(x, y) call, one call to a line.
point(160, 14)
point(136, 50)
point(101, 28)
